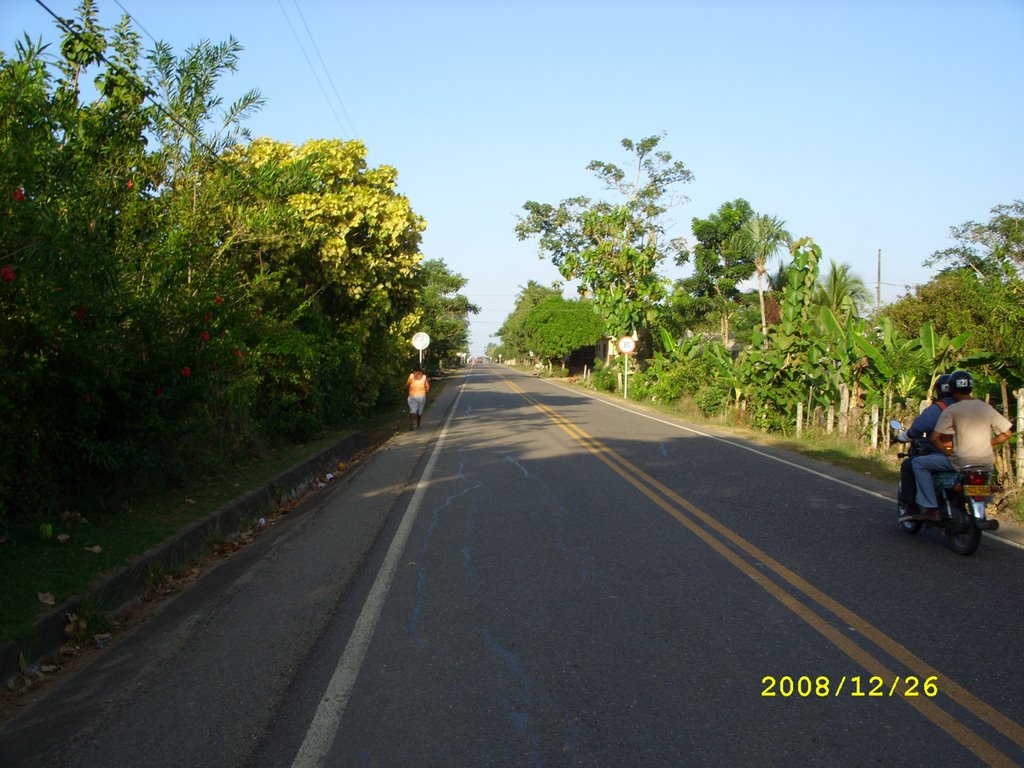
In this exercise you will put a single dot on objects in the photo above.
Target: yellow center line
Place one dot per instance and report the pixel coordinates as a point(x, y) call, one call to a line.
point(673, 504)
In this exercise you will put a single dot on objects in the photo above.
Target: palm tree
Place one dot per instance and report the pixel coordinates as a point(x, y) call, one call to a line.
point(842, 291)
point(765, 236)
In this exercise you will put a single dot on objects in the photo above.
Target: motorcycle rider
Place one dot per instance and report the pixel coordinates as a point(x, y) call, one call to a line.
point(919, 432)
point(972, 423)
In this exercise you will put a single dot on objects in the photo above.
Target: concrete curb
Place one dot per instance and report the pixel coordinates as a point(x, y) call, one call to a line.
point(128, 585)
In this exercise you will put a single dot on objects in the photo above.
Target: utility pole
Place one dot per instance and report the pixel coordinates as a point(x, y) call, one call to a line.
point(878, 282)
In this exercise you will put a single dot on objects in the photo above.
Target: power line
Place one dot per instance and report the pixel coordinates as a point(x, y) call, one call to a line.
point(133, 77)
point(305, 55)
point(327, 72)
point(135, 21)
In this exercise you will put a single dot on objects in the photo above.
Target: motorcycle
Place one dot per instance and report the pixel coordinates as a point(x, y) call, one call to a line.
point(962, 497)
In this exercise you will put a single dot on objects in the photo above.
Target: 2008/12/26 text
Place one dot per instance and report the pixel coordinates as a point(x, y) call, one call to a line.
point(854, 686)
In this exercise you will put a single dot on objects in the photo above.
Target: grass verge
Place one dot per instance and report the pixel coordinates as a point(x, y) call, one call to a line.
point(42, 565)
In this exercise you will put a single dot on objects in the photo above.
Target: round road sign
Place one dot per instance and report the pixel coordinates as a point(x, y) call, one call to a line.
point(627, 345)
point(421, 341)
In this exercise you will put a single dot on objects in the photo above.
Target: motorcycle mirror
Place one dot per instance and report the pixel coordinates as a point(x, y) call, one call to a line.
point(895, 424)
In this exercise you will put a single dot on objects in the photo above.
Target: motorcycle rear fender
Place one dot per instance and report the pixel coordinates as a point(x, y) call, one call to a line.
point(977, 507)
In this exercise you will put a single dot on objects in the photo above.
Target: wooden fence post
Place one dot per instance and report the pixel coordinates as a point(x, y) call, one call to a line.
point(844, 409)
point(831, 418)
point(1020, 437)
point(799, 418)
point(874, 427)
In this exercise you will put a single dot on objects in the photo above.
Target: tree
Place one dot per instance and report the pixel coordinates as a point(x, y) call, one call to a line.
point(558, 326)
point(169, 296)
point(842, 291)
point(515, 336)
point(614, 249)
point(765, 236)
point(444, 311)
point(721, 260)
point(993, 248)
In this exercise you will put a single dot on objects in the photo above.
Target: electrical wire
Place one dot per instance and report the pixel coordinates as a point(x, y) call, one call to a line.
point(312, 69)
point(327, 72)
point(148, 94)
point(134, 20)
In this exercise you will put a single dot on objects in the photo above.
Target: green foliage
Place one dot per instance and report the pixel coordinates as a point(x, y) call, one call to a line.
point(722, 259)
point(605, 376)
point(515, 335)
point(444, 311)
point(557, 326)
point(614, 249)
point(169, 294)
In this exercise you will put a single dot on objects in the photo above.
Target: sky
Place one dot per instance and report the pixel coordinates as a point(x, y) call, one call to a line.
point(871, 127)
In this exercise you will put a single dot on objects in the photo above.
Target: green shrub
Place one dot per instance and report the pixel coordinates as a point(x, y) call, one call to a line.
point(605, 377)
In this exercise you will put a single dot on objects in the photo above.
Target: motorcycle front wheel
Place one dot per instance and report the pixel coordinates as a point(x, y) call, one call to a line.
point(910, 526)
point(964, 542)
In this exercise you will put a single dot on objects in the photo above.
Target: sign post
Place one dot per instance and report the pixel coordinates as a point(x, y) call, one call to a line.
point(421, 341)
point(627, 346)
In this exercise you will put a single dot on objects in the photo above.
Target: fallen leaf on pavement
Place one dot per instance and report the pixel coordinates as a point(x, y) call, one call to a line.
point(95, 550)
point(63, 537)
point(46, 598)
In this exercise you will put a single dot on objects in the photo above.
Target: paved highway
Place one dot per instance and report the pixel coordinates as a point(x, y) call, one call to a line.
point(541, 577)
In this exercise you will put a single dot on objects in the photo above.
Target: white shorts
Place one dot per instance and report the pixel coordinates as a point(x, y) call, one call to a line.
point(416, 403)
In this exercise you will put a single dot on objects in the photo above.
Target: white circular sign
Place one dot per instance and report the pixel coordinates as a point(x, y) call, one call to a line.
point(627, 345)
point(421, 341)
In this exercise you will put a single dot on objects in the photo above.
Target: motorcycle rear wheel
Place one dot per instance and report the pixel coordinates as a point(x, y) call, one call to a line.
point(965, 542)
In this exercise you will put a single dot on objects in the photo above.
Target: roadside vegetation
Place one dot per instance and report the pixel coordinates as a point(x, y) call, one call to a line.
point(801, 355)
point(184, 310)
point(175, 295)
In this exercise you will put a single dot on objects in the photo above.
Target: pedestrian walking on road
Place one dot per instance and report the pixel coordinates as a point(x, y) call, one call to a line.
point(416, 386)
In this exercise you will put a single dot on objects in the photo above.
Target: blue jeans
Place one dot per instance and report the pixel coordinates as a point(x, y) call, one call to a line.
point(923, 468)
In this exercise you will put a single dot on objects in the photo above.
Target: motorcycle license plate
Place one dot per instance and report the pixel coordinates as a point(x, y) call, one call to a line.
point(977, 491)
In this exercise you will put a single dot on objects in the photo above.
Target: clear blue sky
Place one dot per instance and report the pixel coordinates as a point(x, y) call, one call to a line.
point(867, 126)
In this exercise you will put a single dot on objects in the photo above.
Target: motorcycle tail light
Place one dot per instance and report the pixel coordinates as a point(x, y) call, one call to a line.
point(975, 478)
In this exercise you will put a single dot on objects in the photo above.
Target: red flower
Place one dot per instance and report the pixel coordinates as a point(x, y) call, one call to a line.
point(80, 313)
point(19, 194)
point(238, 354)
point(158, 391)
point(7, 274)
point(218, 300)
point(205, 335)
point(207, 317)
point(186, 371)
point(131, 184)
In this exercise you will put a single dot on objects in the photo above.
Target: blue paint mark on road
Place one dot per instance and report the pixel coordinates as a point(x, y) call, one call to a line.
point(412, 625)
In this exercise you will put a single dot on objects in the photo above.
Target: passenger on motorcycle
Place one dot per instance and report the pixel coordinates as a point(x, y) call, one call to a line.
point(919, 432)
point(976, 428)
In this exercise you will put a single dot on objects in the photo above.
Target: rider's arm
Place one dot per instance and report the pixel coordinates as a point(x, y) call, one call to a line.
point(941, 446)
point(1002, 437)
point(924, 423)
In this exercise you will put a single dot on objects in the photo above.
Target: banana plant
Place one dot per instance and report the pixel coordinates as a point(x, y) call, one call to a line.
point(941, 351)
point(890, 357)
point(681, 350)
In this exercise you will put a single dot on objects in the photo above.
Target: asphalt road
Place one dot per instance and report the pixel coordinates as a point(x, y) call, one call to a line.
point(540, 577)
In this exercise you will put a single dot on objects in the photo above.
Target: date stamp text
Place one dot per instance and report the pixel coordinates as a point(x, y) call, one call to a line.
point(854, 686)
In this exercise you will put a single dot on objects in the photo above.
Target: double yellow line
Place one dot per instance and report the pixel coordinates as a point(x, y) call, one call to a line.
point(719, 537)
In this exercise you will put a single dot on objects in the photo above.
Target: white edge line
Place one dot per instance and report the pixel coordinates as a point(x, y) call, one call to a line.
point(324, 726)
point(735, 444)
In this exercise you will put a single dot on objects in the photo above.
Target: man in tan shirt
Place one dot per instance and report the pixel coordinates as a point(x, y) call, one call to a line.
point(976, 428)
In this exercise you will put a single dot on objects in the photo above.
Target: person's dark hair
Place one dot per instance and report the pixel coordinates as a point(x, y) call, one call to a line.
point(416, 368)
